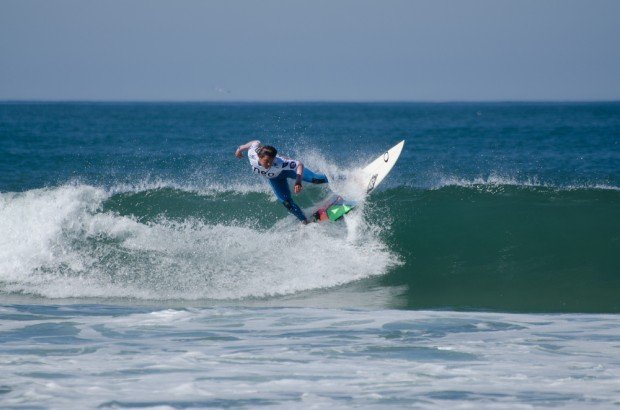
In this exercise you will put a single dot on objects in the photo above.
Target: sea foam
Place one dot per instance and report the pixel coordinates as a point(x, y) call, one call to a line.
point(59, 243)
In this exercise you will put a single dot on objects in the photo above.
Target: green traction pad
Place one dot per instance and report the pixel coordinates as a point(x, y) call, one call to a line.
point(336, 212)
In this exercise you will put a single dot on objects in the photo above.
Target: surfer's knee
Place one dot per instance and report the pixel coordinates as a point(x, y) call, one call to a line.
point(314, 177)
point(294, 209)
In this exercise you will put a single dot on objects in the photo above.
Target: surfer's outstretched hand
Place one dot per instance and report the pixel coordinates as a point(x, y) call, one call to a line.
point(298, 188)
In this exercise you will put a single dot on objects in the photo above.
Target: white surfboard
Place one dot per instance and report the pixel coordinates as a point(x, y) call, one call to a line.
point(377, 170)
point(368, 179)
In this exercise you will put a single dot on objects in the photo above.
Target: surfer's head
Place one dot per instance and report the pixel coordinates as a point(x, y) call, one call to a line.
point(266, 155)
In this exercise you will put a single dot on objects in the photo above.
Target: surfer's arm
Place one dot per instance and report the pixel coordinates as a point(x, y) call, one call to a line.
point(300, 174)
point(245, 147)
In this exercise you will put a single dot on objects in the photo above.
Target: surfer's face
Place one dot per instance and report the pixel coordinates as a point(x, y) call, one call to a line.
point(266, 161)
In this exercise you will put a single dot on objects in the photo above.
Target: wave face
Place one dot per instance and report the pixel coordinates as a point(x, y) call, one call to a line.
point(511, 207)
point(506, 247)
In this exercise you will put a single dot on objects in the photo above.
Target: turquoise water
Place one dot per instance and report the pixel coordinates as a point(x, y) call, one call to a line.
point(136, 249)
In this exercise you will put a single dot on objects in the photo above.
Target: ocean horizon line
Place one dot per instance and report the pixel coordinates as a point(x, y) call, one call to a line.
point(292, 101)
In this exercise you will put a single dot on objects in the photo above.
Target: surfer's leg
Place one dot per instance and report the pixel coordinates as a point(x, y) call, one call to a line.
point(283, 193)
point(307, 176)
point(314, 177)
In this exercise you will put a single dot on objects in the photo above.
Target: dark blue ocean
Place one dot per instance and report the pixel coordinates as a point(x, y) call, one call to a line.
point(143, 265)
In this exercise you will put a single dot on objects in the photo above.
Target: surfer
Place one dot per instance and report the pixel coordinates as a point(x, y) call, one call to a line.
point(277, 169)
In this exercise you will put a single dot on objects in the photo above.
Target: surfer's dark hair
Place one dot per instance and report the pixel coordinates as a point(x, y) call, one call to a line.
point(267, 151)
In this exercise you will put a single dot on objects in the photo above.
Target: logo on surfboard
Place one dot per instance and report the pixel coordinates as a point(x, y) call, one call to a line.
point(371, 184)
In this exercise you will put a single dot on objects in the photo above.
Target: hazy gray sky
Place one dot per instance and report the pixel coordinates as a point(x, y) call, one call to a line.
point(432, 50)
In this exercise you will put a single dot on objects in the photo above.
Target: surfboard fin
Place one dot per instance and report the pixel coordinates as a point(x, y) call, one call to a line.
point(320, 215)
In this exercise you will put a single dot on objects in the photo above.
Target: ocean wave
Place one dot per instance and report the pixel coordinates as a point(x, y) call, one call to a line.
point(497, 245)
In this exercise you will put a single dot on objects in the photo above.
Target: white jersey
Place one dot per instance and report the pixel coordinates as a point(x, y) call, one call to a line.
point(279, 165)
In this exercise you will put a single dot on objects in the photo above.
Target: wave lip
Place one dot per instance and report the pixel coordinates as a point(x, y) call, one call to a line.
point(207, 188)
point(495, 180)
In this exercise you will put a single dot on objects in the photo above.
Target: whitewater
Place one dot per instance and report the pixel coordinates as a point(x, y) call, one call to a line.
point(97, 356)
point(58, 244)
